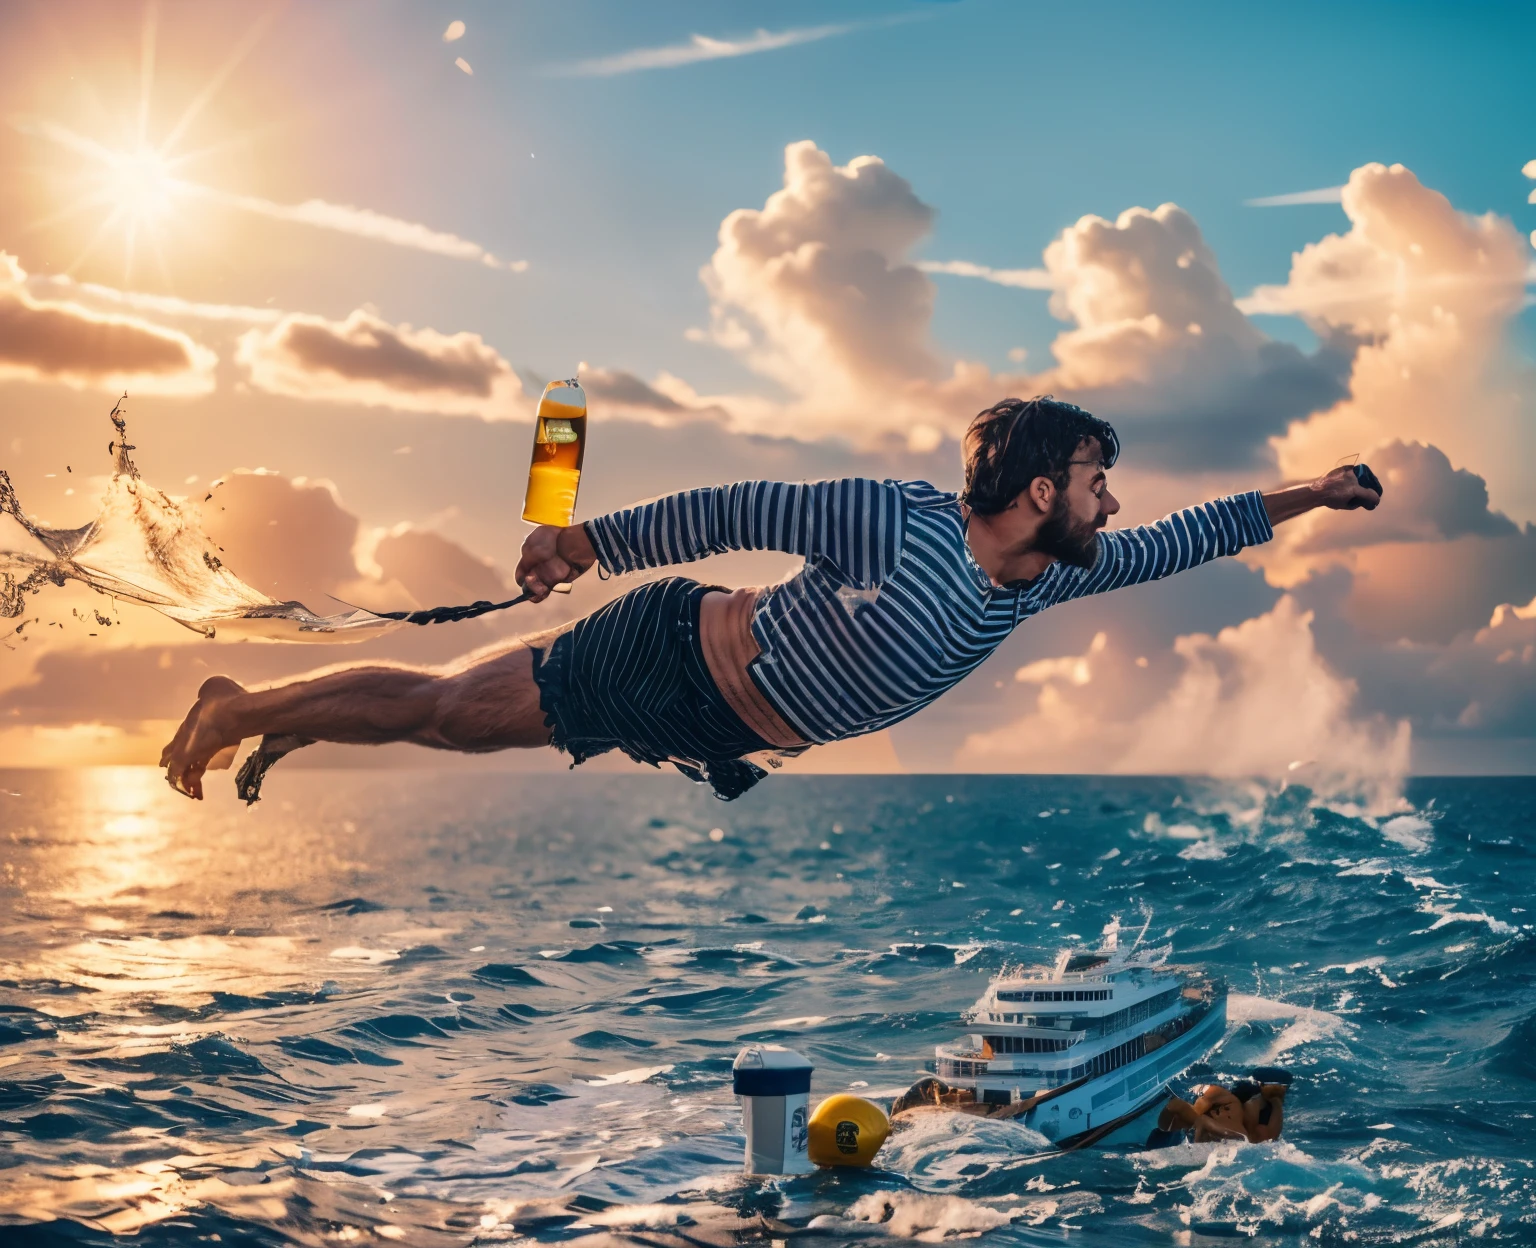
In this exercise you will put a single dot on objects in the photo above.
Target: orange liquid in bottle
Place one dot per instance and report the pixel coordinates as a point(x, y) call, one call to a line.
point(559, 442)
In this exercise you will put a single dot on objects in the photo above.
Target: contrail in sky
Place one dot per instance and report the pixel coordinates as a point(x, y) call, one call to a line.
point(1023, 279)
point(321, 214)
point(1322, 195)
point(698, 48)
point(358, 222)
point(54, 286)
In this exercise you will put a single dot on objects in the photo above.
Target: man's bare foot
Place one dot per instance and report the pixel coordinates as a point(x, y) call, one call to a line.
point(203, 735)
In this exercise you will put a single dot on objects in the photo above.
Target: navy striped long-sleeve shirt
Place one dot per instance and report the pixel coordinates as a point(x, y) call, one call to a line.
point(890, 609)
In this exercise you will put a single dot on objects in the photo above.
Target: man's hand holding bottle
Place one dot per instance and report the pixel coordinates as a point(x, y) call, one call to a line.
point(553, 555)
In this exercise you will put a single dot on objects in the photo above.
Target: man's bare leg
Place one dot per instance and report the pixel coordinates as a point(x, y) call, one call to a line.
point(484, 703)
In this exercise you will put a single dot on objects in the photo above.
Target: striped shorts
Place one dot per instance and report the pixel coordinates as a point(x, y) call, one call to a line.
point(631, 676)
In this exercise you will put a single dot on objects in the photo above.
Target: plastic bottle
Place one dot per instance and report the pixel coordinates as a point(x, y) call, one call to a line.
point(559, 443)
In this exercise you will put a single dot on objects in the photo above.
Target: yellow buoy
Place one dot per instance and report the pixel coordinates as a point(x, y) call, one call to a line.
point(847, 1131)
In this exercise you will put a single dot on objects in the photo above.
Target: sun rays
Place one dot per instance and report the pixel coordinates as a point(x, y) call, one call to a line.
point(134, 183)
point(140, 189)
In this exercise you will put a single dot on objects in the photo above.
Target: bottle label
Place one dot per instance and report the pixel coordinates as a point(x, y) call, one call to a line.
point(555, 430)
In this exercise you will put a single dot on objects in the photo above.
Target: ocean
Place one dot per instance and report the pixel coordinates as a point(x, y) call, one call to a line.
point(440, 1008)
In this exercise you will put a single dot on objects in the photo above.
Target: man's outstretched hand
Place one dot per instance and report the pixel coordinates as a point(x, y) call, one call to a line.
point(552, 556)
point(1349, 488)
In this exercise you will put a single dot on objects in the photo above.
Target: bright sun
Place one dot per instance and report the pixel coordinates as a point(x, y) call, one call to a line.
point(140, 185)
point(133, 186)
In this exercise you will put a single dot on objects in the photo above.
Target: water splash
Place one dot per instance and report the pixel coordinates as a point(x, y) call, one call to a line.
point(148, 548)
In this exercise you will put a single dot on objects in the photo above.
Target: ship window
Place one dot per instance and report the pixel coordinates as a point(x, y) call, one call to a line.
point(1026, 1044)
point(1076, 994)
point(1118, 1056)
point(1133, 1014)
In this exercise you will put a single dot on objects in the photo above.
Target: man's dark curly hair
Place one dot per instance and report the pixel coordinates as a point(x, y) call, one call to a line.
point(1013, 442)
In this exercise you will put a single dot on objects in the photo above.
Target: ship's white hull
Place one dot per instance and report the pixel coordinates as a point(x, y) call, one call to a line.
point(1123, 1093)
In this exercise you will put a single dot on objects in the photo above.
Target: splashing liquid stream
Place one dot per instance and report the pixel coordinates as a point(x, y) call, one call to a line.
point(147, 548)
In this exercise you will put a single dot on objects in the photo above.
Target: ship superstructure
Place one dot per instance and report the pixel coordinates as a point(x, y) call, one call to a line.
point(1086, 1044)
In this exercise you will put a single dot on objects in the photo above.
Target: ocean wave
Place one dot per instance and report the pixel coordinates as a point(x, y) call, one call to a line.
point(505, 973)
point(608, 953)
point(225, 1074)
point(206, 1057)
point(1515, 1054)
point(403, 1028)
point(1257, 1189)
point(1286, 1026)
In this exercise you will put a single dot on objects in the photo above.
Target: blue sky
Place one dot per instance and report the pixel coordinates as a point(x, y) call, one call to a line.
point(1012, 119)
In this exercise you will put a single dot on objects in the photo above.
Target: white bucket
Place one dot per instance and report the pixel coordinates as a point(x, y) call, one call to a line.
point(774, 1084)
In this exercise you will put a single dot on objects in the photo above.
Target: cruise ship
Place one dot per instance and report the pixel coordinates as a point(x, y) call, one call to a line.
point(1081, 1051)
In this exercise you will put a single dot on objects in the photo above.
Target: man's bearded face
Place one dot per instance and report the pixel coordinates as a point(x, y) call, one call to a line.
point(1074, 542)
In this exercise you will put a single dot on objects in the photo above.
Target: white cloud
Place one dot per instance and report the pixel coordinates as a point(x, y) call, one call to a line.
point(368, 361)
point(61, 341)
point(1248, 701)
point(1255, 698)
point(818, 291)
point(1159, 343)
point(698, 48)
point(1430, 500)
point(1075, 668)
point(1432, 290)
point(821, 269)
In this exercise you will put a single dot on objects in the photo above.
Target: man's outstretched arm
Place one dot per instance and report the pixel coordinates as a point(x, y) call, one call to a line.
point(855, 522)
point(1343, 489)
point(1197, 535)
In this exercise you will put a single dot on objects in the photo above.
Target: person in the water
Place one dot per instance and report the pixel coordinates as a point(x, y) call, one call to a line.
point(1253, 1109)
point(905, 590)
